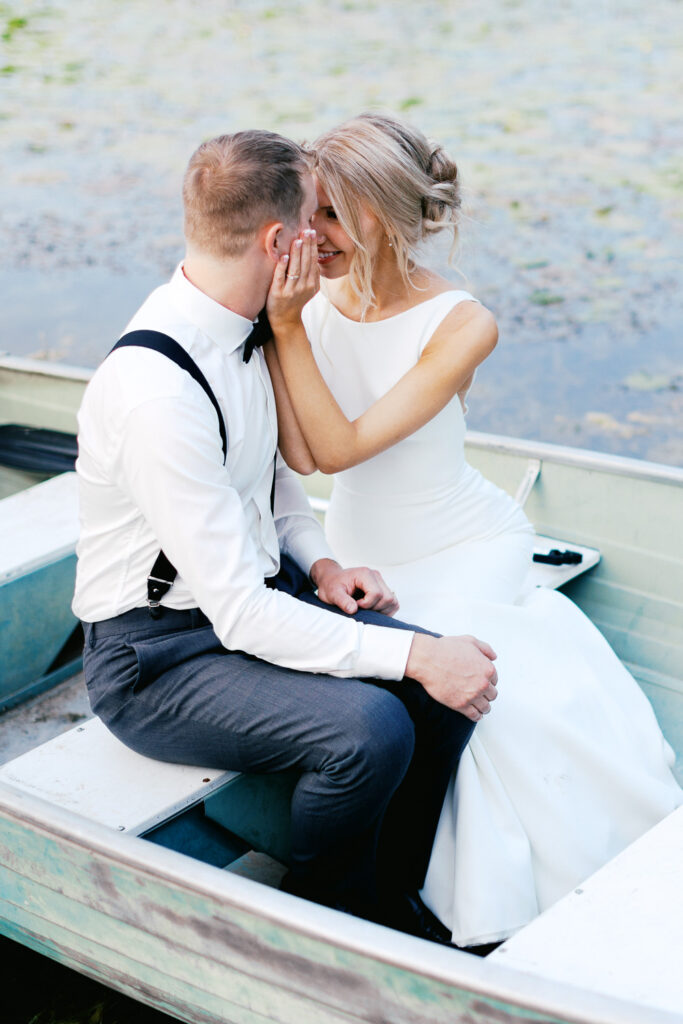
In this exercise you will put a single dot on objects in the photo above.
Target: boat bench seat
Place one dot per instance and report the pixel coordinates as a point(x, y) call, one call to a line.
point(621, 931)
point(553, 576)
point(38, 525)
point(88, 771)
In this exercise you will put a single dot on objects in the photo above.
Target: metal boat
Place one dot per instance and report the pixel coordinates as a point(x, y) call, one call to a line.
point(162, 912)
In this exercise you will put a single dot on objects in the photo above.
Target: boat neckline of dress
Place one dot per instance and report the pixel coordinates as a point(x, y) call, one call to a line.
point(411, 309)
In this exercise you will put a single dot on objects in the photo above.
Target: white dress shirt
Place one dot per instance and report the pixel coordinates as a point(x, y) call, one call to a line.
point(151, 476)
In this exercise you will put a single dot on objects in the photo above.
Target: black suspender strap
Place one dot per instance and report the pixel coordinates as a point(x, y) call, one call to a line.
point(163, 573)
point(162, 343)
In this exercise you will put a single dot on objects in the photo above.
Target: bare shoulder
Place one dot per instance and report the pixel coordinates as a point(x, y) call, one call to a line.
point(467, 323)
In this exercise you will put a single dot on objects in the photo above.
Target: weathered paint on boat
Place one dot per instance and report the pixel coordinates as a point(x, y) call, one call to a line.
point(214, 948)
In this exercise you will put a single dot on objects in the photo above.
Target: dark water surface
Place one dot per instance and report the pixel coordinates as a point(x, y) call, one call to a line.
point(41, 991)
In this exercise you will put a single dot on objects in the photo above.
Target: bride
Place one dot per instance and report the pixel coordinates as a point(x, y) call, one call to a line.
point(371, 382)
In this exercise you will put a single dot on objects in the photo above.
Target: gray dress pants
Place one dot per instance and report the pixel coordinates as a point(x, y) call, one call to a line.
point(375, 757)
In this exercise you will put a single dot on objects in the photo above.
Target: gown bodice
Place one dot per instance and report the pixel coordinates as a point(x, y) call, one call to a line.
point(423, 479)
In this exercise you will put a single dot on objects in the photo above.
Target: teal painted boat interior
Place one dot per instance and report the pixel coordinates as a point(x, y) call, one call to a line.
point(35, 608)
point(35, 623)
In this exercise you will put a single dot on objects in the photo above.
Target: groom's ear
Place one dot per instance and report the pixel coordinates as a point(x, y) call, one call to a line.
point(272, 241)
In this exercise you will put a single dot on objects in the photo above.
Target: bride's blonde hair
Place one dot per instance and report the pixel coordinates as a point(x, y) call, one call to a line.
point(410, 184)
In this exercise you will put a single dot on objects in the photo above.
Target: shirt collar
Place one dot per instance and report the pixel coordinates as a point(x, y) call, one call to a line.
point(227, 329)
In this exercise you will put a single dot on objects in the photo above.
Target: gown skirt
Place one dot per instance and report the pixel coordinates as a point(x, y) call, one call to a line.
point(570, 766)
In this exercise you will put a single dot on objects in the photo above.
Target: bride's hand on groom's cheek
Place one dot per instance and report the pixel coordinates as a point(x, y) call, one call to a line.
point(295, 282)
point(351, 589)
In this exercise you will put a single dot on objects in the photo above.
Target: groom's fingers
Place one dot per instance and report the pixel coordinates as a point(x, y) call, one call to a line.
point(339, 595)
point(485, 648)
point(385, 603)
point(376, 593)
point(359, 588)
point(490, 692)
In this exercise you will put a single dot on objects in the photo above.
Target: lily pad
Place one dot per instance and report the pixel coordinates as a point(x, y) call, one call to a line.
point(12, 26)
point(644, 381)
point(604, 421)
point(542, 297)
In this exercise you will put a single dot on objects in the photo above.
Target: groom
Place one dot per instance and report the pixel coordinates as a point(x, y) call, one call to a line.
point(199, 558)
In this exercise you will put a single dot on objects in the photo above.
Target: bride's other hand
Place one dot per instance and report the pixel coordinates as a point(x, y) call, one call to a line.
point(343, 587)
point(457, 671)
point(295, 282)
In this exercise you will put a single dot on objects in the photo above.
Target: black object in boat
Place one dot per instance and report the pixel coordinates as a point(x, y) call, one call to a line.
point(37, 449)
point(556, 557)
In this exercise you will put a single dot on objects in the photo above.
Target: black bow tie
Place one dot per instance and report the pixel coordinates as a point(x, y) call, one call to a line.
point(261, 333)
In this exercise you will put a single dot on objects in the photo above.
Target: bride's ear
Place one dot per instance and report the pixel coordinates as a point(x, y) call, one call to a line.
point(271, 240)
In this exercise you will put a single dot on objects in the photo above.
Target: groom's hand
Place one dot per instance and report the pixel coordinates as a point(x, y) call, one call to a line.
point(351, 589)
point(457, 671)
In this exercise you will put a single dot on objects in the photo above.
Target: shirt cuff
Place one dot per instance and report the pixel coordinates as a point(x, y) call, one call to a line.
point(383, 652)
point(306, 547)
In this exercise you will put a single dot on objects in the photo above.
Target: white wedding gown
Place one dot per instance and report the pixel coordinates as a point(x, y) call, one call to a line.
point(570, 766)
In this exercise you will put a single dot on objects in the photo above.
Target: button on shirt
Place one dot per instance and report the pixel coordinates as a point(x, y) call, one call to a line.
point(151, 476)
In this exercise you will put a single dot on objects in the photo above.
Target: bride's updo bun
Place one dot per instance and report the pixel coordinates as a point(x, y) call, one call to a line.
point(440, 208)
point(411, 185)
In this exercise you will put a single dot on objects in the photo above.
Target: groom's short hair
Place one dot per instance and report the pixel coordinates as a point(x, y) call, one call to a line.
point(234, 184)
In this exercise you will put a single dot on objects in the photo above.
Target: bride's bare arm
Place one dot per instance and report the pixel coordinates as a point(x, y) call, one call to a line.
point(461, 342)
point(291, 441)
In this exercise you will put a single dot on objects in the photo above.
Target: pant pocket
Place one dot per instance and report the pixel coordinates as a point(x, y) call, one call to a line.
point(156, 655)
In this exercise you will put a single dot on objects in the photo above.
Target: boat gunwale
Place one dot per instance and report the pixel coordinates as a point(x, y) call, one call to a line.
point(450, 967)
point(581, 458)
point(24, 364)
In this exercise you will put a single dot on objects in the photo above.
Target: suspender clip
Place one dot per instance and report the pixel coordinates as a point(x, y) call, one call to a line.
point(156, 588)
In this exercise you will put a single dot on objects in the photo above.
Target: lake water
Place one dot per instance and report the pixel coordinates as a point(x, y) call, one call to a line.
point(565, 120)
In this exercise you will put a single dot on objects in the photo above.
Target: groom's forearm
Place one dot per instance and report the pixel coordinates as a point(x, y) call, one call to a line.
point(300, 535)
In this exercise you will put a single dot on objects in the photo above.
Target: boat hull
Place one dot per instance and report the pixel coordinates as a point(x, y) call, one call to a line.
point(211, 947)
